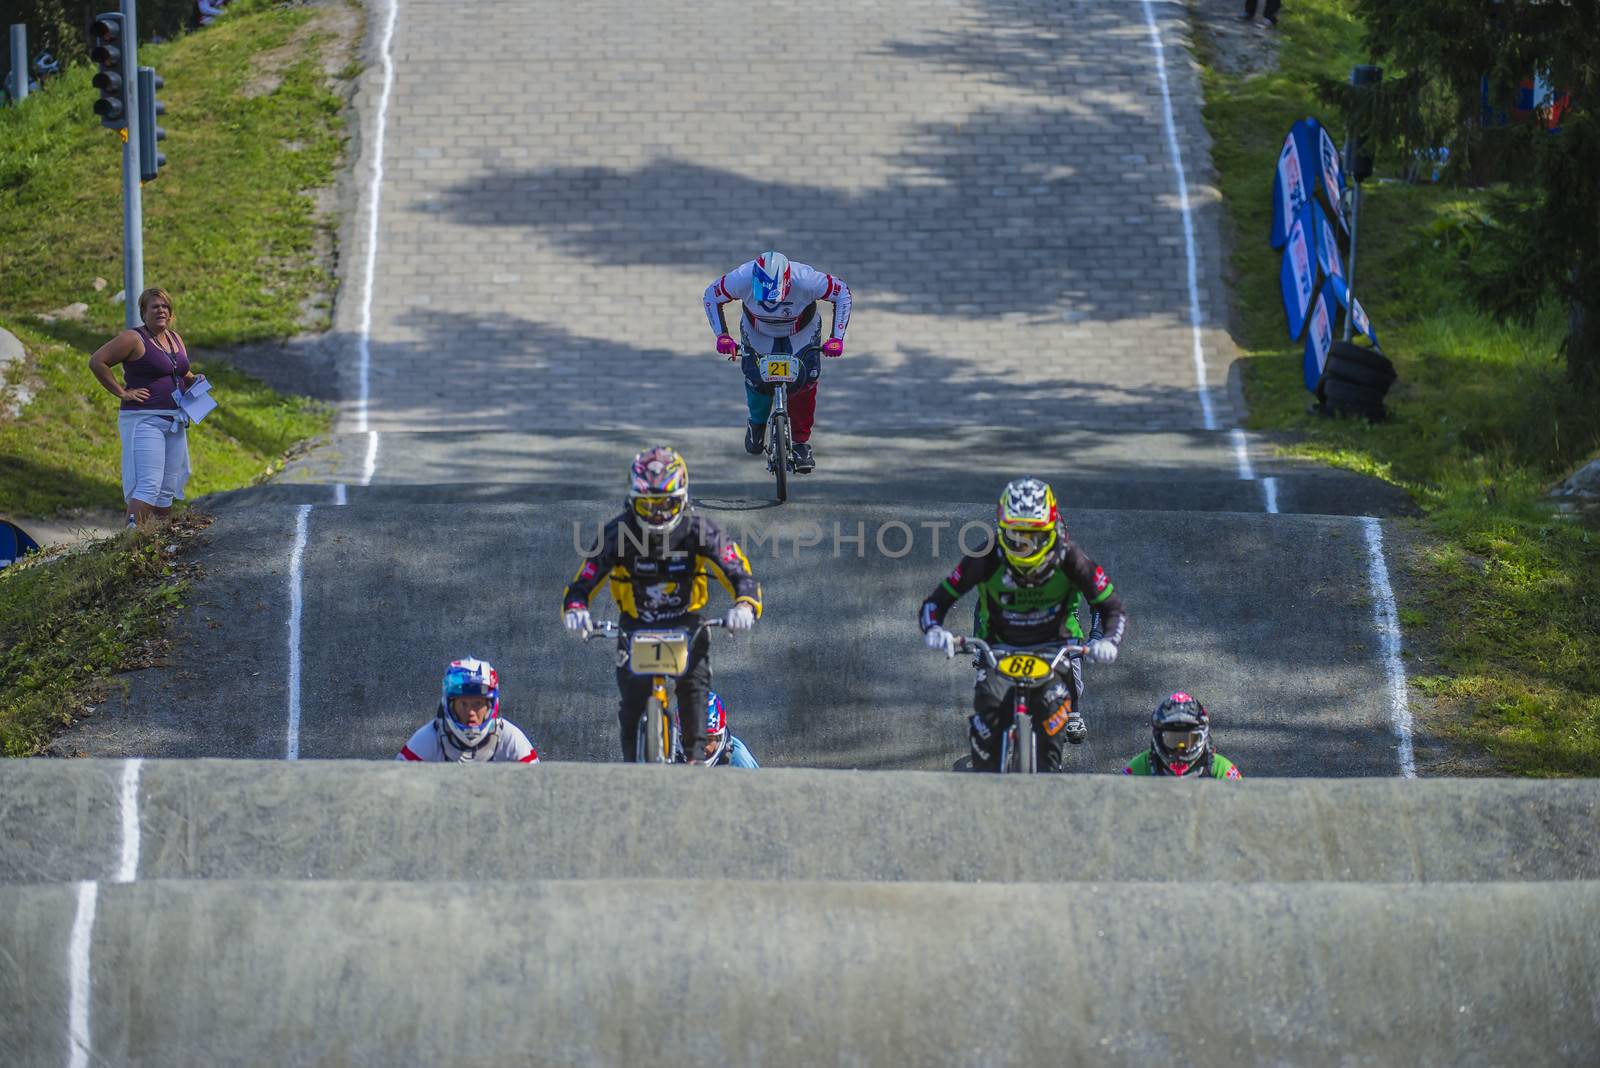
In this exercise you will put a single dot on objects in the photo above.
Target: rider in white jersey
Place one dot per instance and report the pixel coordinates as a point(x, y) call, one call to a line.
point(779, 303)
point(468, 728)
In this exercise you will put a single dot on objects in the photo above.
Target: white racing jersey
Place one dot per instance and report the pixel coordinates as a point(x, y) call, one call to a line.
point(798, 314)
point(432, 744)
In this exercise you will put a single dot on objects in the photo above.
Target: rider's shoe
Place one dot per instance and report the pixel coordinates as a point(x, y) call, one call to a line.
point(1076, 729)
point(755, 438)
point(804, 462)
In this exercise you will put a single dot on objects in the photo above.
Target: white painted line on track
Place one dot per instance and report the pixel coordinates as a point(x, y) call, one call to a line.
point(1269, 492)
point(1241, 454)
point(78, 1045)
point(369, 466)
point(339, 496)
point(1386, 622)
point(128, 869)
point(296, 604)
point(374, 193)
point(1206, 411)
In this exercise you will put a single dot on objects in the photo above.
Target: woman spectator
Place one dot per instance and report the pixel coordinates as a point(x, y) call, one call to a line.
point(155, 445)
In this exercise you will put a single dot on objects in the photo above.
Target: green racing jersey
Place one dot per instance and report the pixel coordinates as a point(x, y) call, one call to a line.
point(1221, 767)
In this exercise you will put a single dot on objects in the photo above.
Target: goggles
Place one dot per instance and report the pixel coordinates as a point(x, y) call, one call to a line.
point(658, 509)
point(1025, 543)
point(1183, 742)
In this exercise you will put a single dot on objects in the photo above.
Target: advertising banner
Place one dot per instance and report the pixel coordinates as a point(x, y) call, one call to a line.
point(1319, 338)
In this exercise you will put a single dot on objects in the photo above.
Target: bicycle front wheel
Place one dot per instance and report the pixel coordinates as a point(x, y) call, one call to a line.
point(780, 453)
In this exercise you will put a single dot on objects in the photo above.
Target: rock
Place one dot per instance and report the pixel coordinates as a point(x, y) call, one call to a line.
point(10, 348)
point(1584, 483)
point(100, 285)
point(122, 295)
point(75, 311)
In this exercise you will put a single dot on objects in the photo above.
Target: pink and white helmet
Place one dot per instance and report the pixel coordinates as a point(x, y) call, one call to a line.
point(769, 279)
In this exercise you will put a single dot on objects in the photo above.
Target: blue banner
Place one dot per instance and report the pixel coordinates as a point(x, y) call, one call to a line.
point(1319, 339)
point(14, 543)
point(1298, 275)
point(1289, 189)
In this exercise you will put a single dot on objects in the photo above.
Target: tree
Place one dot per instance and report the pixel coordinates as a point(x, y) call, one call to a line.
point(1542, 234)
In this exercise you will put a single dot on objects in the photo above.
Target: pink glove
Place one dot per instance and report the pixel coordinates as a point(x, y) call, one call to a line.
point(727, 346)
point(833, 347)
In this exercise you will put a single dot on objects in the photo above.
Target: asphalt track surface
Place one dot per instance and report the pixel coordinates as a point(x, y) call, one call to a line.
point(1001, 185)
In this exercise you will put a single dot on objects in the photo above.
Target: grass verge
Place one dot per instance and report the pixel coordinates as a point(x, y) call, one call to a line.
point(1504, 621)
point(231, 228)
point(66, 625)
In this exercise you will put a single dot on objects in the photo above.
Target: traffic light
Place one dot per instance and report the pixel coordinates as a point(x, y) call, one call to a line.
point(150, 160)
point(108, 47)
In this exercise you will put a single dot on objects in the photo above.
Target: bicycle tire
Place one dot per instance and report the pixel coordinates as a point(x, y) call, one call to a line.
point(1027, 746)
point(780, 455)
point(655, 737)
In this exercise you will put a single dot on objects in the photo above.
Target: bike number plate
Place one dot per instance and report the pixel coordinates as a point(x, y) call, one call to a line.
point(778, 370)
point(659, 652)
point(1023, 668)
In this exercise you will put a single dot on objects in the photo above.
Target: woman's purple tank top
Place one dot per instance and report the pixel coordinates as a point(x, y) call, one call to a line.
point(156, 371)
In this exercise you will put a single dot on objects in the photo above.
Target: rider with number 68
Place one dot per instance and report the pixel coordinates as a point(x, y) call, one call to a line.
point(1029, 585)
point(780, 315)
point(657, 556)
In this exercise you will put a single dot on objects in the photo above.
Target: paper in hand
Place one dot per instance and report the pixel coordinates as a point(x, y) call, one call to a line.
point(196, 401)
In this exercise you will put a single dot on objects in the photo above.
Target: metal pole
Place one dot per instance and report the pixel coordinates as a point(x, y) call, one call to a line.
point(19, 62)
point(1350, 268)
point(132, 204)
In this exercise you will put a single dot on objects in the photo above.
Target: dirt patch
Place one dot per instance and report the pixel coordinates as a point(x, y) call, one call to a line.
point(1229, 44)
point(339, 20)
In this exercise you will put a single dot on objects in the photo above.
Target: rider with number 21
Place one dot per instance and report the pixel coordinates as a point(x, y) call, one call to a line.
point(779, 299)
point(657, 556)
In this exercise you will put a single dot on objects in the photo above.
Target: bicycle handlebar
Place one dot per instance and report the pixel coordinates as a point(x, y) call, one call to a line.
point(984, 650)
point(610, 628)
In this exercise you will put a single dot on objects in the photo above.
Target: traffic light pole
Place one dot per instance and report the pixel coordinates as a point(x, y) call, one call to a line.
point(132, 201)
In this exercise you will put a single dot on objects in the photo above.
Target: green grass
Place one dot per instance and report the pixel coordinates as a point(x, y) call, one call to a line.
point(63, 451)
point(67, 624)
point(1504, 626)
point(229, 224)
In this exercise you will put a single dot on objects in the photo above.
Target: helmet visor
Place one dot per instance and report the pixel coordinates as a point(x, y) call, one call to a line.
point(658, 510)
point(764, 287)
point(1183, 744)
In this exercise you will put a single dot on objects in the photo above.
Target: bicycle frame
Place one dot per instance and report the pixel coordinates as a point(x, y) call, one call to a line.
point(1019, 747)
point(659, 740)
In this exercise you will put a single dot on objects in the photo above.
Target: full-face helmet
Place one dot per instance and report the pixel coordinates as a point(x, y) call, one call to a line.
point(716, 728)
point(1180, 734)
point(658, 489)
point(1027, 522)
point(769, 281)
point(470, 677)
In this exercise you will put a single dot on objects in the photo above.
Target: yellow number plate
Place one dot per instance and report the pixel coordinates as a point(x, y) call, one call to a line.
point(1027, 668)
point(777, 369)
point(654, 652)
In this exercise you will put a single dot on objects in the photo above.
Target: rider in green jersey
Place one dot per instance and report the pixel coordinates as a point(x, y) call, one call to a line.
point(1180, 744)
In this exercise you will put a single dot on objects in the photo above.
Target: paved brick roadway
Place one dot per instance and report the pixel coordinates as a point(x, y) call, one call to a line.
point(991, 177)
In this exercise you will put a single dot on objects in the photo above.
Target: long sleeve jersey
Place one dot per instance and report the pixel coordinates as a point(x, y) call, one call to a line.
point(1029, 615)
point(807, 285)
point(663, 587)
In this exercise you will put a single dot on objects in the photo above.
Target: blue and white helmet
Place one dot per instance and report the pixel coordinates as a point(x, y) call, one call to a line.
point(470, 677)
point(769, 278)
point(716, 727)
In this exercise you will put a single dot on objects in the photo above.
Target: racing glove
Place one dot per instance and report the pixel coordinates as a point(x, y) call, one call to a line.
point(577, 618)
point(740, 617)
point(834, 346)
point(726, 346)
point(939, 638)
point(1102, 651)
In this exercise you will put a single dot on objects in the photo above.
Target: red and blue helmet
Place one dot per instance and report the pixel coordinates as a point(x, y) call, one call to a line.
point(769, 278)
point(716, 726)
point(470, 677)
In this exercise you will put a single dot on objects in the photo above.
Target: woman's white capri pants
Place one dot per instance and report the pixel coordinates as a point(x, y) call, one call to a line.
point(155, 457)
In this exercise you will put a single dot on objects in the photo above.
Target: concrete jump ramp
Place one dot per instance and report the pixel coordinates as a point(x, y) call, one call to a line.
point(62, 821)
point(709, 972)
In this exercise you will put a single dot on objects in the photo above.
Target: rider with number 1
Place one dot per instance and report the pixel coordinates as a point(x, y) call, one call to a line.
point(657, 556)
point(779, 301)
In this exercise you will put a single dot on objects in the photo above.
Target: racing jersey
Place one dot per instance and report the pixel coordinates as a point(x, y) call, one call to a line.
point(432, 744)
point(663, 587)
point(1221, 768)
point(1029, 615)
point(807, 285)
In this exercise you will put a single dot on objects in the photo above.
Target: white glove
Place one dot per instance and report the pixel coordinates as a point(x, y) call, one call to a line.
point(740, 617)
point(939, 638)
point(578, 619)
point(1102, 651)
